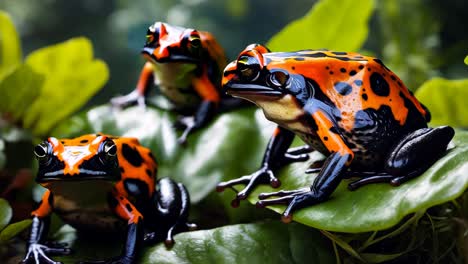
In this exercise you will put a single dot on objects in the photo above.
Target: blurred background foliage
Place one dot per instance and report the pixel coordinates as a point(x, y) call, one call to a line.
point(417, 39)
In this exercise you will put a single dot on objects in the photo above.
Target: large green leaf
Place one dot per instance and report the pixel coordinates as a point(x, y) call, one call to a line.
point(379, 206)
point(328, 25)
point(446, 100)
point(19, 89)
point(227, 148)
point(269, 242)
point(14, 229)
point(10, 49)
point(233, 145)
point(71, 77)
point(5, 213)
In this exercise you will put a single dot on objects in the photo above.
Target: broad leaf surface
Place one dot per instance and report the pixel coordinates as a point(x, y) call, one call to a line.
point(269, 242)
point(10, 48)
point(5, 213)
point(233, 145)
point(71, 77)
point(379, 206)
point(446, 100)
point(329, 25)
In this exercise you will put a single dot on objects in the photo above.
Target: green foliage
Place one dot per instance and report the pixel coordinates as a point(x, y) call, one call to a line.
point(5, 213)
point(327, 25)
point(446, 100)
point(10, 50)
point(466, 60)
point(408, 48)
point(13, 229)
point(52, 83)
point(71, 75)
point(268, 242)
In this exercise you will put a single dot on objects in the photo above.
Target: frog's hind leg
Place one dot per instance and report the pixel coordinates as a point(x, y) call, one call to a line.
point(409, 158)
point(173, 204)
point(416, 152)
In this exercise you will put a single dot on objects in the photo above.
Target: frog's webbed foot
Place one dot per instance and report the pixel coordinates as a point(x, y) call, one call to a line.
point(295, 199)
point(188, 125)
point(132, 98)
point(262, 176)
point(39, 253)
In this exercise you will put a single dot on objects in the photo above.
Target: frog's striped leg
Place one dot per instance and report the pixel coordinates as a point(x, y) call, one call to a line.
point(275, 156)
point(206, 110)
point(128, 212)
point(37, 250)
point(138, 95)
point(329, 177)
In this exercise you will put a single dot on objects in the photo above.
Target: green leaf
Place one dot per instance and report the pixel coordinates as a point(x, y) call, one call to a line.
point(328, 25)
point(379, 206)
point(2, 154)
point(248, 243)
point(466, 60)
point(269, 242)
point(5, 213)
point(10, 48)
point(229, 147)
point(14, 229)
point(446, 100)
point(16, 101)
point(71, 75)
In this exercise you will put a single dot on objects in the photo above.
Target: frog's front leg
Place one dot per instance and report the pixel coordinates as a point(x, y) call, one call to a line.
point(138, 95)
point(38, 251)
point(206, 110)
point(128, 212)
point(327, 180)
point(275, 156)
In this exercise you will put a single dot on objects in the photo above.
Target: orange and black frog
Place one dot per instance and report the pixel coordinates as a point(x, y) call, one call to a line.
point(186, 65)
point(347, 106)
point(104, 184)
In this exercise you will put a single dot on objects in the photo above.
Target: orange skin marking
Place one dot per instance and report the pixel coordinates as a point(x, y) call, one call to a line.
point(205, 88)
point(133, 216)
point(315, 68)
point(145, 77)
point(45, 208)
point(216, 52)
point(130, 172)
point(333, 142)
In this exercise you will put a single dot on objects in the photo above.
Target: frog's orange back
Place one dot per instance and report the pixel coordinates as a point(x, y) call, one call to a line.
point(350, 80)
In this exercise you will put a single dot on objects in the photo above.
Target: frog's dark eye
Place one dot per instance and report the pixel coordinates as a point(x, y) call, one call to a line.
point(152, 35)
point(194, 41)
point(109, 150)
point(248, 68)
point(279, 78)
point(41, 151)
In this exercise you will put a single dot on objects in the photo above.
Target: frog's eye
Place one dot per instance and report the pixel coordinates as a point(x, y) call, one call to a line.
point(279, 78)
point(248, 68)
point(152, 35)
point(194, 41)
point(41, 151)
point(109, 150)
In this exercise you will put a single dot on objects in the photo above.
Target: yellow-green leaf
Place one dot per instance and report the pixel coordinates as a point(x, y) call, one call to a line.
point(72, 76)
point(5, 213)
point(14, 229)
point(466, 60)
point(10, 48)
point(331, 25)
point(19, 89)
point(446, 100)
